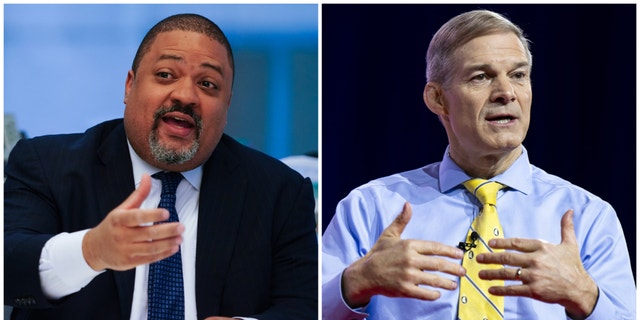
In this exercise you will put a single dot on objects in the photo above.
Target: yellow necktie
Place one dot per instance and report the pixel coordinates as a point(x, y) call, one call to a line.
point(475, 300)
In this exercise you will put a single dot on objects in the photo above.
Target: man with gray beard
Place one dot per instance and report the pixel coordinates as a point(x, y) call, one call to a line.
point(86, 238)
point(169, 155)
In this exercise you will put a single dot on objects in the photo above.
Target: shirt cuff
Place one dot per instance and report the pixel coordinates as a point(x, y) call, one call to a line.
point(333, 304)
point(63, 269)
point(604, 309)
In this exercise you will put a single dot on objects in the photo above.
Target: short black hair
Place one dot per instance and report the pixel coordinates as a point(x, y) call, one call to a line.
point(183, 22)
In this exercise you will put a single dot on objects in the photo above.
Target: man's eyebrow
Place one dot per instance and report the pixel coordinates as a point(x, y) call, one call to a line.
point(485, 66)
point(522, 64)
point(213, 67)
point(178, 58)
point(480, 66)
point(170, 57)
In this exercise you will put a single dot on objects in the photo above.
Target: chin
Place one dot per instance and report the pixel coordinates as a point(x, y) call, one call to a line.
point(171, 153)
point(509, 141)
point(510, 147)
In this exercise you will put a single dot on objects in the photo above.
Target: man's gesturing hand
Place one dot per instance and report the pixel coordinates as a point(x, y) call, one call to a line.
point(395, 267)
point(123, 240)
point(550, 273)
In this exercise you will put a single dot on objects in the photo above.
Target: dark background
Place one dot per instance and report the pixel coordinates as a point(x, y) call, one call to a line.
point(375, 123)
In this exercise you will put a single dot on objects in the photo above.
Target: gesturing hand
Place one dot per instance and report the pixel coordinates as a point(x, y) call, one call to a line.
point(395, 267)
point(549, 273)
point(124, 240)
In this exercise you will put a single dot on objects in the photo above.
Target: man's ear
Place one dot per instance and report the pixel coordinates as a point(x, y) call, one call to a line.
point(229, 101)
point(128, 84)
point(434, 99)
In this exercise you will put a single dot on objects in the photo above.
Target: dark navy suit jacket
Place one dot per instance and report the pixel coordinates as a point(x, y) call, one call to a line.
point(257, 247)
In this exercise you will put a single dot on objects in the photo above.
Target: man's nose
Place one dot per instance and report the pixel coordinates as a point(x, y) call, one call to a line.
point(185, 92)
point(503, 91)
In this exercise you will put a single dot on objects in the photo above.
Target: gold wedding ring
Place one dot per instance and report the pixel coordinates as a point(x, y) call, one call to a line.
point(518, 273)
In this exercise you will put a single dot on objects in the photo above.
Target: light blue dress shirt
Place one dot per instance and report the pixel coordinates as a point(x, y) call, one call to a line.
point(531, 207)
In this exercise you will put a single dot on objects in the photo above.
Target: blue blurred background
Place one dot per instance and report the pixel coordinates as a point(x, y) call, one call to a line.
point(65, 67)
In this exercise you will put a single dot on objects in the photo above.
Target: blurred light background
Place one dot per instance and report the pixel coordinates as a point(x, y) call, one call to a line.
point(65, 67)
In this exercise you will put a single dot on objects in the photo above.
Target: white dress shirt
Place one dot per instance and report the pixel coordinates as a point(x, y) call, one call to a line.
point(64, 271)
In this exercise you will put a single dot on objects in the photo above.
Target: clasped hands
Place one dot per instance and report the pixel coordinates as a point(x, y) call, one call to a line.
point(396, 268)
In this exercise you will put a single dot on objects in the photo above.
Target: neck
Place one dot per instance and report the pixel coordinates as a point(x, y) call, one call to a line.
point(485, 166)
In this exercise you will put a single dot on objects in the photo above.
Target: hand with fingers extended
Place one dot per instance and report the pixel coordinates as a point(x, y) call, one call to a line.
point(550, 273)
point(396, 268)
point(127, 236)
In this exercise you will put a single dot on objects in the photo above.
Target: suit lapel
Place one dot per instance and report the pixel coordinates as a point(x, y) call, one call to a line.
point(114, 183)
point(222, 192)
point(221, 200)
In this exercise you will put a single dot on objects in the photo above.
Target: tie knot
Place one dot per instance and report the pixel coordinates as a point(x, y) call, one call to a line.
point(170, 181)
point(486, 191)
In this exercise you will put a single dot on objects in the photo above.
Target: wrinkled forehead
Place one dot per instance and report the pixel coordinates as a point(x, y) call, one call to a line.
point(186, 39)
point(491, 48)
point(189, 47)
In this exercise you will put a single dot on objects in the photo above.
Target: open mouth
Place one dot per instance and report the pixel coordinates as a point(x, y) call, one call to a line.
point(177, 121)
point(178, 124)
point(185, 121)
point(501, 119)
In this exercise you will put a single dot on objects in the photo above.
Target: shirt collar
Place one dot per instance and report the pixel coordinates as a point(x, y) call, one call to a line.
point(517, 177)
point(140, 167)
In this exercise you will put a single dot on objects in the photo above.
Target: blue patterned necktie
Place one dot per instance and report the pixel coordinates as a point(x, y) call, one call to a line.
point(166, 293)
